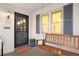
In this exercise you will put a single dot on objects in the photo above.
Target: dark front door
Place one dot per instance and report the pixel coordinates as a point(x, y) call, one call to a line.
point(21, 29)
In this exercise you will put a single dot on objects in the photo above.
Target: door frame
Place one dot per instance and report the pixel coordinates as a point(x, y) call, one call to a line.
point(15, 27)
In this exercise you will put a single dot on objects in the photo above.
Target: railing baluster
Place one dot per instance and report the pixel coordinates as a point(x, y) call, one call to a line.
point(59, 40)
point(54, 39)
point(73, 42)
point(67, 41)
point(76, 42)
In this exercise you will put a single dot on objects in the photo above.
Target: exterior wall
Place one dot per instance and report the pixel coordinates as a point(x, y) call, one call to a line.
point(76, 19)
point(7, 35)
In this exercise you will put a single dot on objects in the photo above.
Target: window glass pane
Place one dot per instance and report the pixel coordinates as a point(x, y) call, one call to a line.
point(44, 23)
point(56, 22)
point(56, 17)
point(45, 19)
point(44, 28)
point(57, 28)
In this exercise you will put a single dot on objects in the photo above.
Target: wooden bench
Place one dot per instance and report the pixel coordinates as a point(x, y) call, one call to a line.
point(65, 42)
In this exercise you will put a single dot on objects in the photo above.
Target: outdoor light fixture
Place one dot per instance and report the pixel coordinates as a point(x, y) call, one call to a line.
point(8, 15)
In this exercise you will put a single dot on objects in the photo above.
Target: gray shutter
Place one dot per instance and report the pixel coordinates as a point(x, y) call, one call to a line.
point(37, 24)
point(68, 19)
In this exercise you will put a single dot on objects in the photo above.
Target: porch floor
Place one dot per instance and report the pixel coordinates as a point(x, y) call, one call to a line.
point(29, 51)
point(42, 50)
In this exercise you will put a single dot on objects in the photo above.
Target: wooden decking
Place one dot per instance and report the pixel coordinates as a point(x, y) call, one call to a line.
point(29, 51)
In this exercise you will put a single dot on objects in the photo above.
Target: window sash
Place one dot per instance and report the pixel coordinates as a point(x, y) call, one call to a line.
point(56, 22)
point(44, 23)
point(44, 19)
point(56, 27)
point(44, 27)
point(56, 16)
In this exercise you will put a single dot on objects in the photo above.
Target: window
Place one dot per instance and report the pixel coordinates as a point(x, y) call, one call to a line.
point(56, 22)
point(44, 23)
